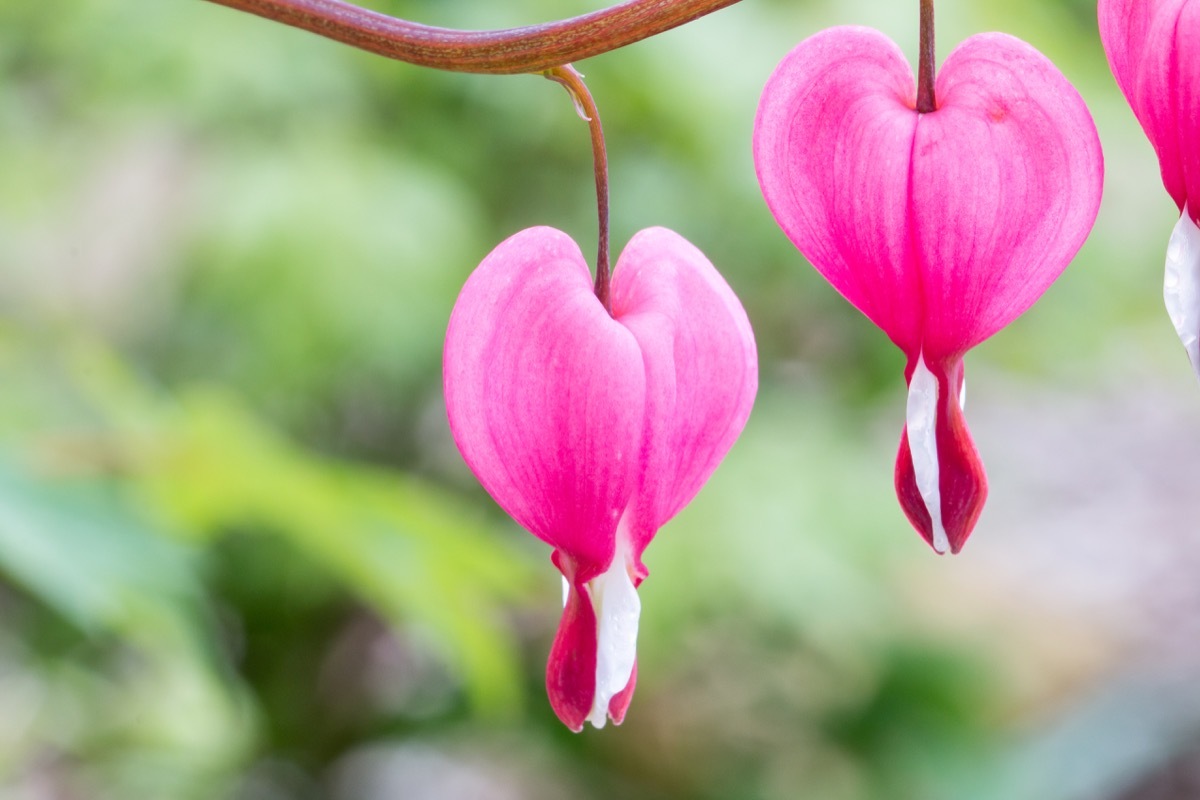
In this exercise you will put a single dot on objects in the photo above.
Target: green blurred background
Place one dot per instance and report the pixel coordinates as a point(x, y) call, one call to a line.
point(241, 558)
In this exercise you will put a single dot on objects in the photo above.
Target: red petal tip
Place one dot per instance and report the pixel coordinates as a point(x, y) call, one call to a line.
point(571, 669)
point(962, 482)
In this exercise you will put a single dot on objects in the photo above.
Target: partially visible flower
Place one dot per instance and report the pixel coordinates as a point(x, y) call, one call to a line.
point(941, 227)
point(1153, 47)
point(592, 430)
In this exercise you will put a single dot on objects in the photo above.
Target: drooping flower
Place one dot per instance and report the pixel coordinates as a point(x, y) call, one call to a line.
point(941, 227)
point(593, 430)
point(1153, 47)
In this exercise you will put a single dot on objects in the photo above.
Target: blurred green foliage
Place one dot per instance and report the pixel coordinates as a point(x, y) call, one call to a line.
point(239, 555)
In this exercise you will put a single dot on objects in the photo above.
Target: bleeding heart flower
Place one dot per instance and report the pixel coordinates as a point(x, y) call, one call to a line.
point(593, 430)
point(941, 227)
point(1153, 47)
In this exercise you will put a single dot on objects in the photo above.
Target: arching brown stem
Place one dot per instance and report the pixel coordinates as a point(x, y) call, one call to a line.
point(569, 77)
point(536, 48)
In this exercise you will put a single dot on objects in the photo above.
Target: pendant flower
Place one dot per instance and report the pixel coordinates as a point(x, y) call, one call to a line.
point(941, 227)
point(1153, 47)
point(593, 430)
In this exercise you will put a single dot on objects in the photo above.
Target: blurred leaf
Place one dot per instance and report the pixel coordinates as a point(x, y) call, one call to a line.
point(79, 550)
point(406, 548)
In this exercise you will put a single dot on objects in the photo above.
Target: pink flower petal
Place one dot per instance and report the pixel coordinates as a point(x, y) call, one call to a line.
point(941, 227)
point(701, 370)
point(1124, 25)
point(1153, 47)
point(1187, 103)
point(593, 431)
point(1006, 186)
point(833, 150)
point(546, 395)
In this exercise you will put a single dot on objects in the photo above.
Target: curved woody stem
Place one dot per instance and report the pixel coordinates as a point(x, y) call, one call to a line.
point(570, 78)
point(927, 61)
point(535, 48)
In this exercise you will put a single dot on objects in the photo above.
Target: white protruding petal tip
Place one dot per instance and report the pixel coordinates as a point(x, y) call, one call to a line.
point(921, 418)
point(617, 611)
point(566, 591)
point(1181, 286)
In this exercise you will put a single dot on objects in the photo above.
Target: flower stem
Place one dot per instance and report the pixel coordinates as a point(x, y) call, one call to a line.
point(927, 64)
point(536, 48)
point(569, 77)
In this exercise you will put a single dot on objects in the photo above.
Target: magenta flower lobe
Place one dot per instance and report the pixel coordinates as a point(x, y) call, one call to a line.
point(1153, 47)
point(593, 431)
point(940, 227)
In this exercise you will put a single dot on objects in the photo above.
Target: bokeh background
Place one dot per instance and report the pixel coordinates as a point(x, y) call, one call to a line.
point(241, 558)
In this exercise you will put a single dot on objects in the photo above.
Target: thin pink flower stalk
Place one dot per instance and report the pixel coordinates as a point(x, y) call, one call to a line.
point(1153, 47)
point(592, 430)
point(942, 227)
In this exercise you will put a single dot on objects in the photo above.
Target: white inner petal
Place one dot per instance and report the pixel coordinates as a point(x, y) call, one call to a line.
point(921, 416)
point(962, 396)
point(617, 611)
point(1181, 286)
point(566, 591)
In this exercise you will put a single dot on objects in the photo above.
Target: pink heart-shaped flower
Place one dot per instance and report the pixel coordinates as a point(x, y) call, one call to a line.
point(941, 227)
point(592, 431)
point(1153, 47)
